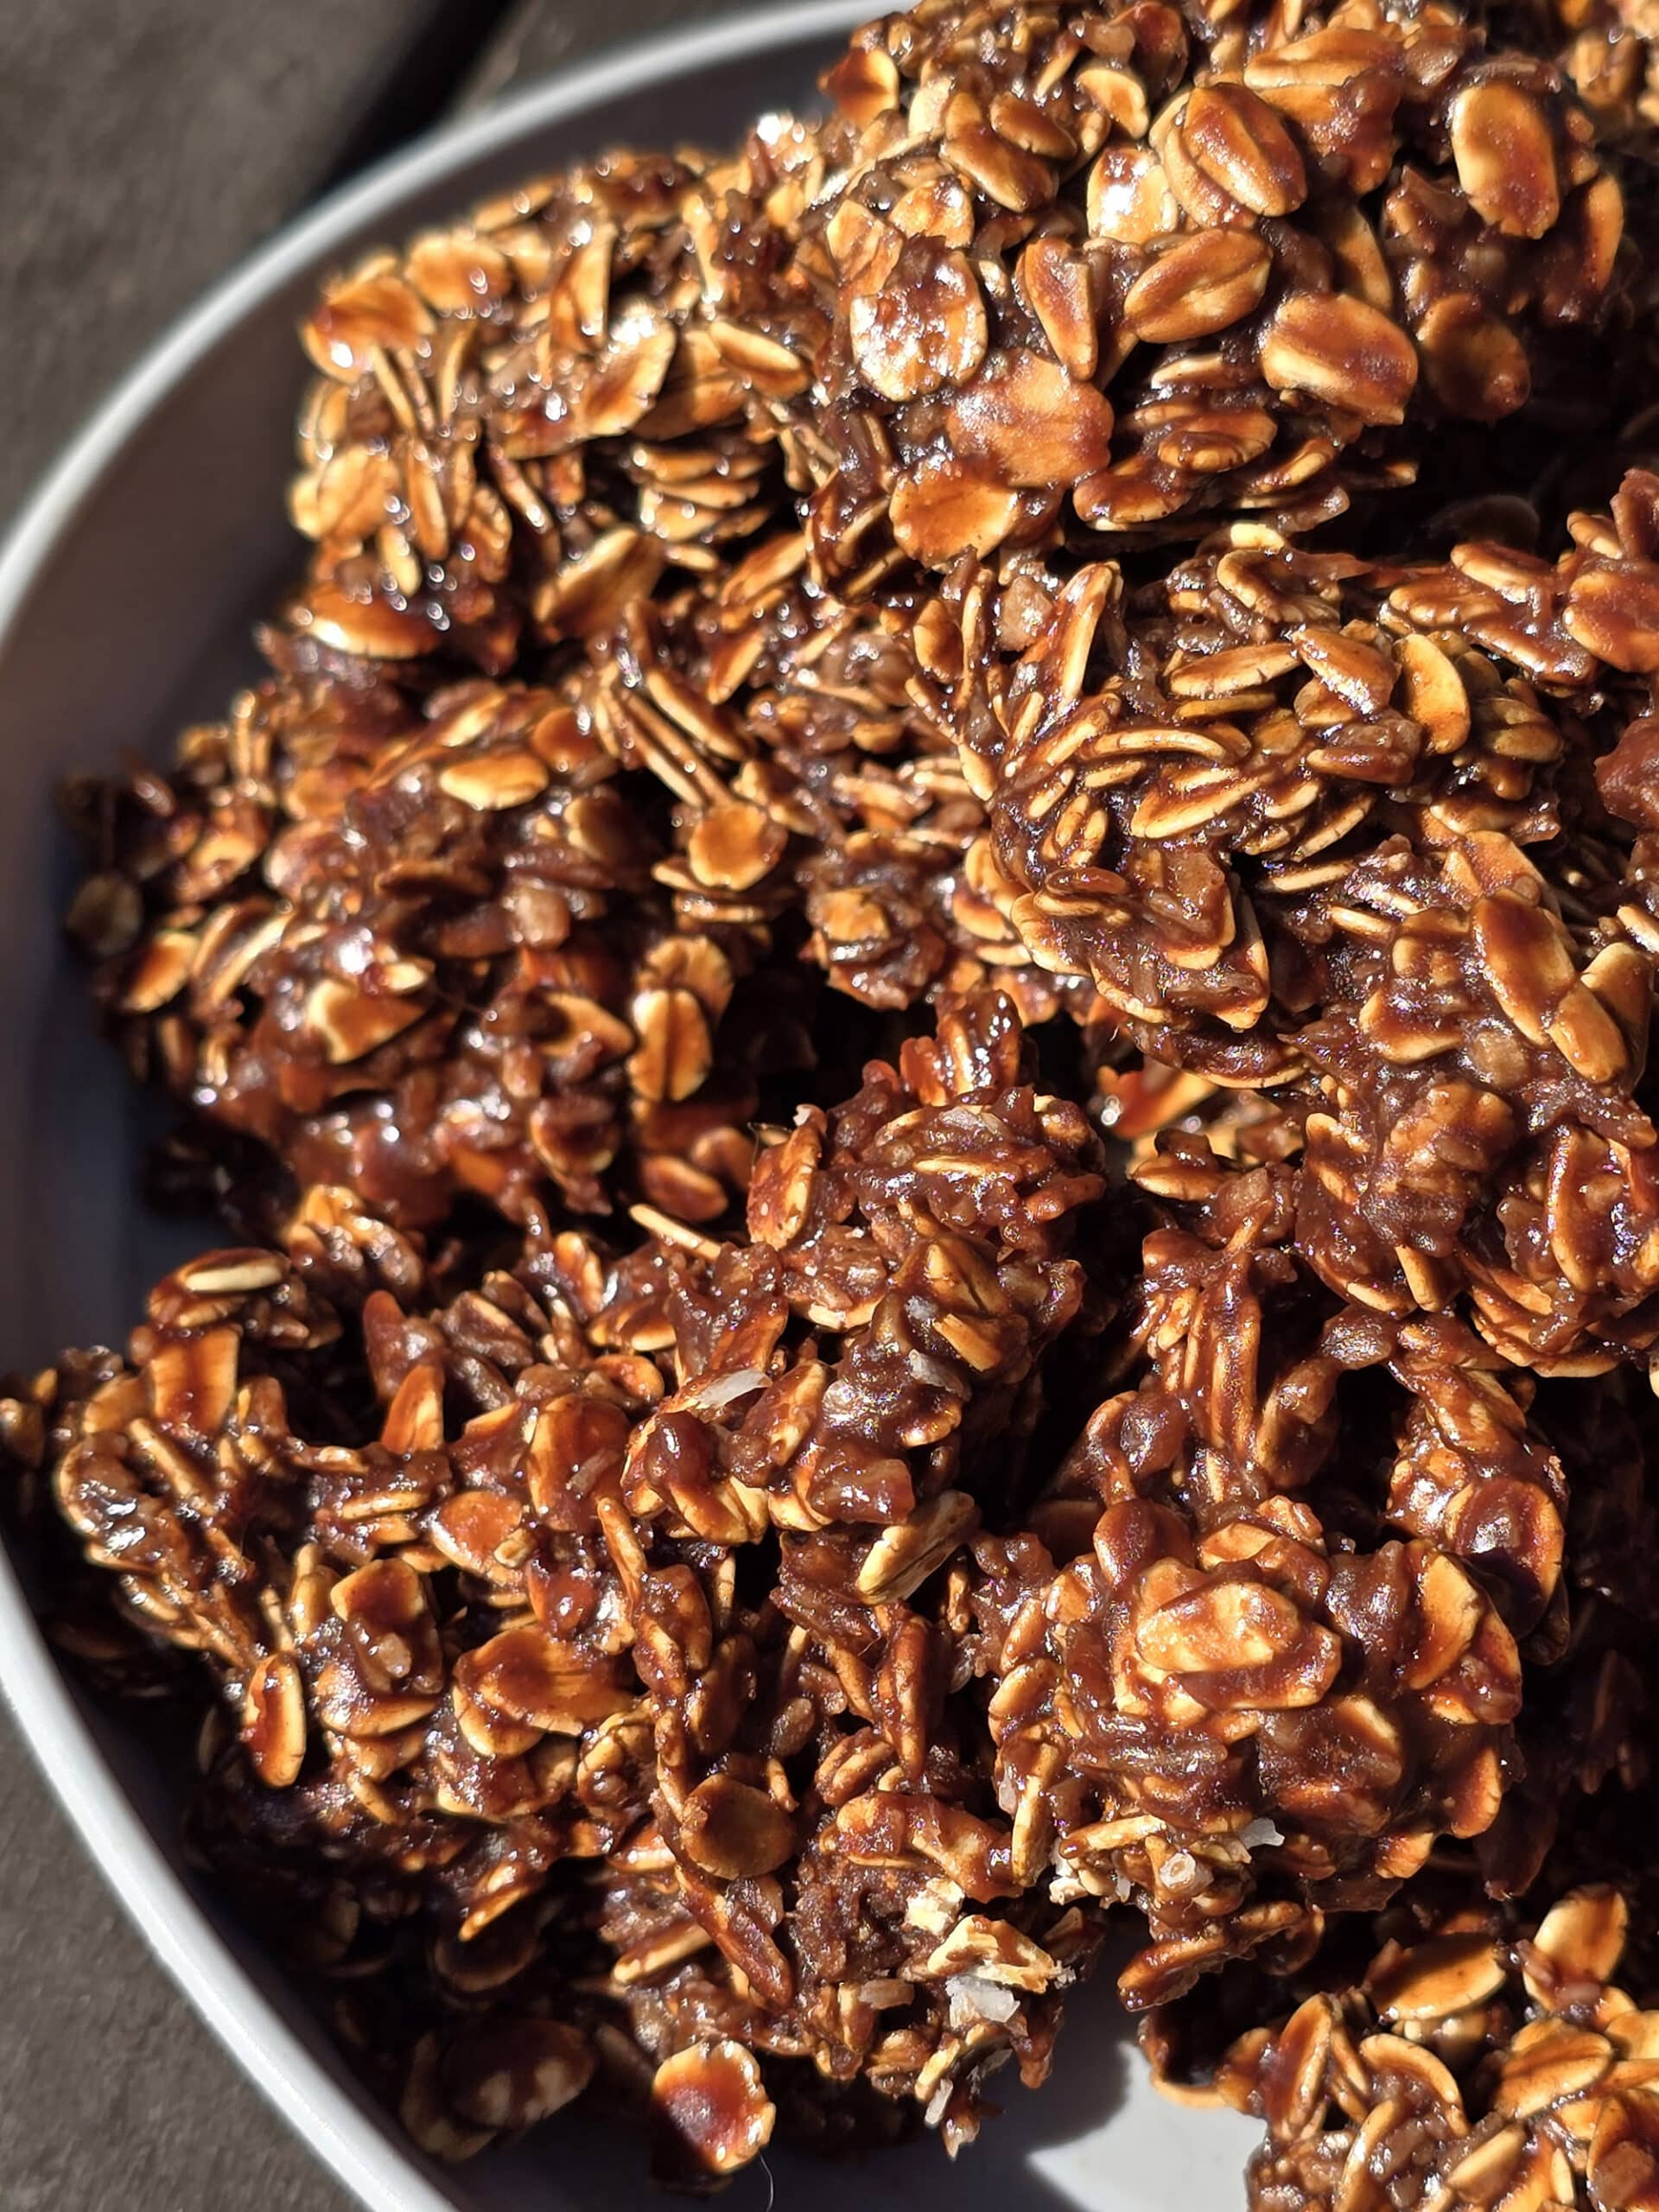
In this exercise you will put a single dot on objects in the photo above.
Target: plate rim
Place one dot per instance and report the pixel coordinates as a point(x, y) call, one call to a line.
point(364, 2154)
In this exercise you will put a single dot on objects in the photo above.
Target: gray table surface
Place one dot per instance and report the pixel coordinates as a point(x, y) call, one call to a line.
point(145, 145)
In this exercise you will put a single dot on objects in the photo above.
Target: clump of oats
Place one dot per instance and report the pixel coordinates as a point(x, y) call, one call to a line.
point(869, 600)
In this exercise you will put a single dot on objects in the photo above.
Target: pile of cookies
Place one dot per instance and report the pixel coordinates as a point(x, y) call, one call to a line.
point(919, 995)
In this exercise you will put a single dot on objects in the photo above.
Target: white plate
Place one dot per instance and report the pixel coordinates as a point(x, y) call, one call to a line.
point(126, 594)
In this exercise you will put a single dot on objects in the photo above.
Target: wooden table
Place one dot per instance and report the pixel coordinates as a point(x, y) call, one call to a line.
point(145, 145)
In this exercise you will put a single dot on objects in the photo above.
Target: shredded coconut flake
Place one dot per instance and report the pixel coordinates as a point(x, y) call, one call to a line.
point(974, 1997)
point(720, 1389)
